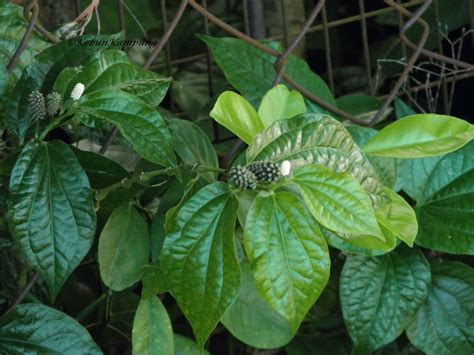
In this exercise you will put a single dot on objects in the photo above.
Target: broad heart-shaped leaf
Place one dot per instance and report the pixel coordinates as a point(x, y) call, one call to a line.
point(236, 114)
point(316, 139)
point(444, 324)
point(288, 254)
point(38, 329)
point(420, 136)
point(251, 71)
point(336, 200)
point(139, 123)
point(199, 261)
point(193, 146)
point(251, 320)
point(380, 295)
point(41, 73)
point(152, 332)
point(124, 247)
point(112, 69)
point(12, 27)
point(444, 190)
point(51, 212)
point(280, 103)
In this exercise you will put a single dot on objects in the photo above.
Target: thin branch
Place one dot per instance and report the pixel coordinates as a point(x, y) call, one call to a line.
point(24, 292)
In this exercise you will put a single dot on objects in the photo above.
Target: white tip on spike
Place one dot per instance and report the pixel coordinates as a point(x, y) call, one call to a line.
point(77, 91)
point(285, 168)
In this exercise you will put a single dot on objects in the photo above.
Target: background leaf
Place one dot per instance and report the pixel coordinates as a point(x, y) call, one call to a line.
point(51, 216)
point(289, 256)
point(152, 332)
point(251, 320)
point(199, 261)
point(380, 295)
point(444, 324)
point(124, 247)
point(38, 329)
point(420, 136)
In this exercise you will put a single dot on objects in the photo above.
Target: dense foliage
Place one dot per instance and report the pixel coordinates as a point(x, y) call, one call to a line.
point(319, 229)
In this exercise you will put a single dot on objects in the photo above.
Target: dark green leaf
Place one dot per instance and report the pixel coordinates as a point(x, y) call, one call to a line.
point(381, 295)
point(289, 256)
point(139, 123)
point(199, 261)
point(193, 146)
point(402, 109)
point(152, 332)
point(38, 329)
point(52, 217)
point(251, 71)
point(360, 106)
point(41, 73)
point(444, 324)
point(251, 320)
point(185, 346)
point(112, 69)
point(124, 247)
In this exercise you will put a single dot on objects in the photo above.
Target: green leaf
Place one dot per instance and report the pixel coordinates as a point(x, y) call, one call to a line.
point(41, 73)
point(112, 69)
point(12, 27)
point(398, 217)
point(288, 254)
point(444, 190)
point(402, 109)
point(381, 295)
point(251, 320)
point(279, 103)
point(420, 136)
point(193, 146)
point(185, 346)
point(139, 123)
point(360, 106)
point(152, 332)
point(444, 324)
point(124, 247)
point(316, 139)
point(251, 71)
point(336, 200)
point(51, 214)
point(152, 280)
point(236, 114)
point(199, 261)
point(101, 171)
point(38, 329)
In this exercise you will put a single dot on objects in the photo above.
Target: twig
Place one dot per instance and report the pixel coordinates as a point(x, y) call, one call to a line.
point(32, 6)
point(279, 65)
point(24, 292)
point(156, 51)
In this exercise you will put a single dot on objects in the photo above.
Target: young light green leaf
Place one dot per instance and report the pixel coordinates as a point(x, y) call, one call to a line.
point(193, 146)
point(152, 332)
point(444, 323)
point(51, 215)
point(288, 254)
point(279, 103)
point(398, 217)
point(139, 123)
point(124, 247)
point(420, 136)
point(251, 320)
point(112, 69)
point(336, 200)
point(40, 74)
point(316, 139)
point(381, 295)
point(38, 329)
point(236, 114)
point(251, 71)
point(199, 261)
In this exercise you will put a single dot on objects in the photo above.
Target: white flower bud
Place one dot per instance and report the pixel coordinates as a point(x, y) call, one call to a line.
point(77, 91)
point(285, 168)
